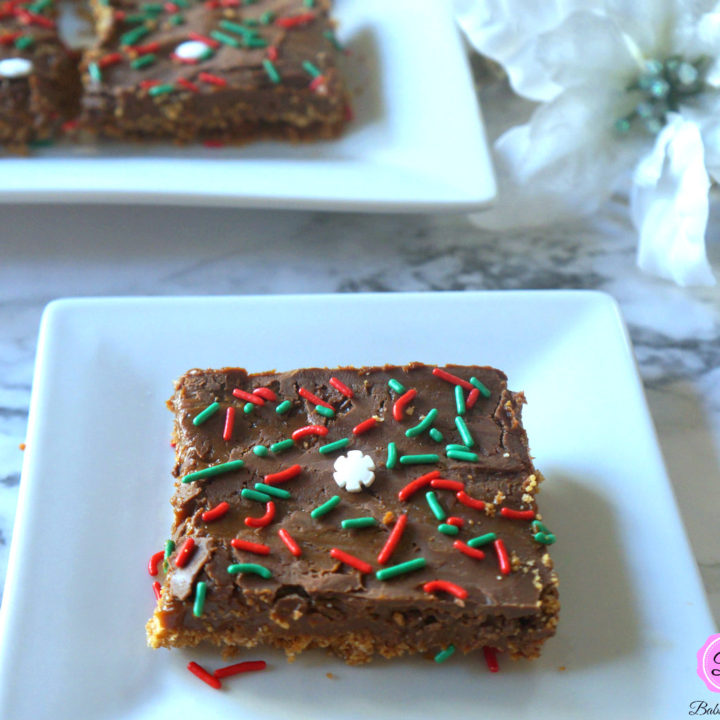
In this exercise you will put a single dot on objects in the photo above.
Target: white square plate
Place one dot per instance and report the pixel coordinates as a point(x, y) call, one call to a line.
point(416, 143)
point(94, 505)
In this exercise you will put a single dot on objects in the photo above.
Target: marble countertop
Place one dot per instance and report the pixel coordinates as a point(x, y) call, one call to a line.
point(56, 251)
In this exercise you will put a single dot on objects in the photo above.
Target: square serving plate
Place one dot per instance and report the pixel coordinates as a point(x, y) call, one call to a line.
point(416, 142)
point(94, 505)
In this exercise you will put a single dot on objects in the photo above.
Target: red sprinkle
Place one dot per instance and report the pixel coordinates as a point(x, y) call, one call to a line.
point(502, 556)
point(283, 475)
point(241, 667)
point(265, 393)
point(146, 49)
point(184, 82)
point(215, 513)
point(119, 15)
point(364, 426)
point(317, 83)
point(449, 377)
point(272, 53)
point(393, 539)
point(145, 84)
point(204, 39)
point(290, 544)
point(171, 7)
point(263, 520)
point(28, 18)
point(211, 79)
point(184, 61)
point(295, 21)
point(186, 550)
point(110, 59)
point(442, 484)
point(341, 387)
point(456, 521)
point(155, 561)
point(314, 398)
point(213, 143)
point(242, 394)
point(490, 654)
point(517, 514)
point(350, 560)
point(466, 500)
point(443, 585)
point(309, 430)
point(401, 403)
point(472, 398)
point(417, 484)
point(204, 675)
point(156, 589)
point(9, 38)
point(229, 424)
point(472, 552)
point(257, 548)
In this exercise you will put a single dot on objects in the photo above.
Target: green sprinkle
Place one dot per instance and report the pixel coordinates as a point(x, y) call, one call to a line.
point(248, 407)
point(255, 42)
point(225, 39)
point(330, 35)
point(325, 508)
point(544, 538)
point(261, 451)
point(443, 655)
point(392, 457)
point(178, 19)
point(24, 42)
point(143, 61)
point(236, 28)
point(169, 548)
point(435, 506)
point(39, 6)
point(95, 72)
point(130, 38)
point(464, 455)
point(455, 446)
point(333, 446)
point(537, 526)
point(419, 459)
point(361, 522)
point(260, 497)
point(436, 435)
point(253, 568)
point(152, 8)
point(406, 567)
point(181, 3)
point(448, 529)
point(41, 142)
point(250, 22)
point(309, 3)
point(214, 470)
point(324, 411)
point(160, 89)
point(208, 412)
point(136, 18)
point(199, 605)
point(460, 400)
point(396, 386)
point(272, 490)
point(267, 17)
point(283, 407)
point(464, 432)
point(274, 76)
point(481, 540)
point(483, 390)
point(423, 425)
point(283, 445)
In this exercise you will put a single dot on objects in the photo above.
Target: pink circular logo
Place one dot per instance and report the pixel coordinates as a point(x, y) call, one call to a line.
point(708, 663)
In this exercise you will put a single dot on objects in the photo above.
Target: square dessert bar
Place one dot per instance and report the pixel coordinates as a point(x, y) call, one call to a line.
point(379, 510)
point(229, 70)
point(39, 81)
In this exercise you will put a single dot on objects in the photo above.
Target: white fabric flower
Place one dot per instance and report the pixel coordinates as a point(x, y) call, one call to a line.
point(354, 471)
point(586, 61)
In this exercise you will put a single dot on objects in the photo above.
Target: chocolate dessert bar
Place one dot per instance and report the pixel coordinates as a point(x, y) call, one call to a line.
point(226, 70)
point(39, 81)
point(379, 510)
